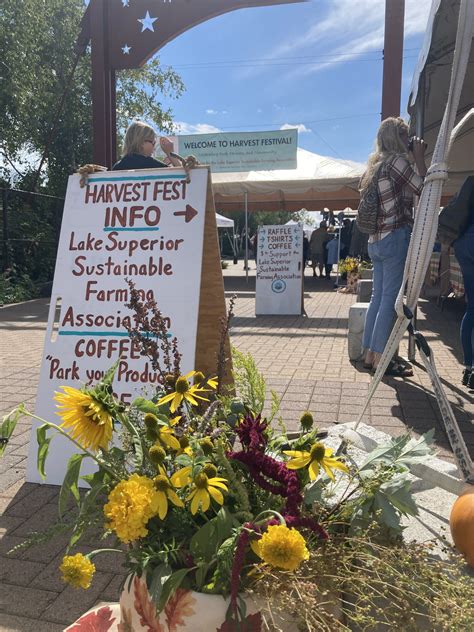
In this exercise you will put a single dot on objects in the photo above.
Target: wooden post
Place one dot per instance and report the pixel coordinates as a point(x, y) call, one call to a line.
point(392, 57)
point(103, 87)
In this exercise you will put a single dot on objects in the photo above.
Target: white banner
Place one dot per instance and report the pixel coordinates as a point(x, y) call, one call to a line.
point(279, 270)
point(146, 226)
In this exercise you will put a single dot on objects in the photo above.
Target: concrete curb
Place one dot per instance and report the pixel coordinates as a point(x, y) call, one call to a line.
point(435, 471)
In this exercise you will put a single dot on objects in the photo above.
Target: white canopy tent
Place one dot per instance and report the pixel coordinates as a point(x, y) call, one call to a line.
point(317, 182)
point(430, 88)
point(224, 222)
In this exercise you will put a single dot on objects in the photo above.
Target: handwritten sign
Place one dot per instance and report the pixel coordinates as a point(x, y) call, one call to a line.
point(279, 270)
point(242, 151)
point(146, 226)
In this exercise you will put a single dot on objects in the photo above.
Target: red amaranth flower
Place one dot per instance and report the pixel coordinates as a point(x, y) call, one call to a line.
point(263, 467)
point(251, 432)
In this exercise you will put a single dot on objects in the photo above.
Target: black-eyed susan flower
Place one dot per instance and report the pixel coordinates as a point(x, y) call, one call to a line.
point(167, 438)
point(184, 392)
point(165, 492)
point(206, 488)
point(281, 547)
point(85, 418)
point(77, 570)
point(316, 458)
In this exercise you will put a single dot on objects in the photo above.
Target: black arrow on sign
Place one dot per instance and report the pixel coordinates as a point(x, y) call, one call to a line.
point(188, 214)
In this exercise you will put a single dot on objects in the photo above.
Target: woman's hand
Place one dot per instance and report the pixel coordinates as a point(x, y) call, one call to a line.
point(418, 148)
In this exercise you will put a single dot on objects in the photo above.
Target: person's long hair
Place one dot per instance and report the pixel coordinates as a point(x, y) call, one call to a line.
point(388, 144)
point(137, 133)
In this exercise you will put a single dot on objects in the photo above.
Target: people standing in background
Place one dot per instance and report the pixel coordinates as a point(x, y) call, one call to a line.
point(305, 251)
point(346, 234)
point(397, 183)
point(464, 250)
point(332, 247)
point(317, 246)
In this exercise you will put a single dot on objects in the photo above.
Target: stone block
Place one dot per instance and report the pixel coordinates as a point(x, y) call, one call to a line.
point(367, 273)
point(364, 290)
point(357, 314)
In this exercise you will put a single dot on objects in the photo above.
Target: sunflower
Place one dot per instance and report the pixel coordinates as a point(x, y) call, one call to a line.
point(77, 570)
point(281, 547)
point(317, 457)
point(184, 391)
point(204, 487)
point(88, 421)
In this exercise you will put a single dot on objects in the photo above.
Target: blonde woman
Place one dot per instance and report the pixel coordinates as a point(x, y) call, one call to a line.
point(139, 147)
point(397, 183)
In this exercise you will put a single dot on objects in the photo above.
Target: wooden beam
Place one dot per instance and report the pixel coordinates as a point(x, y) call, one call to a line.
point(392, 58)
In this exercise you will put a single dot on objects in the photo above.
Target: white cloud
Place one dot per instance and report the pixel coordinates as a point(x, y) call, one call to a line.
point(302, 129)
point(347, 29)
point(199, 128)
point(212, 111)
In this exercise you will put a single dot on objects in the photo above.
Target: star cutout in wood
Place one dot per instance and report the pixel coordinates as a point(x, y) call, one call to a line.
point(126, 49)
point(126, 3)
point(147, 22)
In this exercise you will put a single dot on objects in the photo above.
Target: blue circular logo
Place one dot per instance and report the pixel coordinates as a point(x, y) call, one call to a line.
point(278, 286)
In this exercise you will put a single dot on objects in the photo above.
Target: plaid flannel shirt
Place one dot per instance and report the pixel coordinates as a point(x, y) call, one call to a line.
point(397, 183)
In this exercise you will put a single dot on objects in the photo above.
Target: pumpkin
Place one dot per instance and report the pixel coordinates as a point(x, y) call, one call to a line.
point(461, 522)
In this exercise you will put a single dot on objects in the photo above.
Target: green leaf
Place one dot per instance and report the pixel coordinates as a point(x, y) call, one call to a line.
point(207, 540)
point(389, 515)
point(203, 543)
point(156, 580)
point(8, 426)
point(173, 582)
point(43, 447)
point(109, 374)
point(70, 481)
point(146, 406)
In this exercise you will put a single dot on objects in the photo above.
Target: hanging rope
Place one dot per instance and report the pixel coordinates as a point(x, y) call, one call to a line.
point(422, 242)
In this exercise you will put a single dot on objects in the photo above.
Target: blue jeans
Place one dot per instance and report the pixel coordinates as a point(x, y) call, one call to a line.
point(388, 257)
point(464, 249)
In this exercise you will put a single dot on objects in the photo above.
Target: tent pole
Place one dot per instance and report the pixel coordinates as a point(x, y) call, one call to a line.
point(420, 130)
point(246, 236)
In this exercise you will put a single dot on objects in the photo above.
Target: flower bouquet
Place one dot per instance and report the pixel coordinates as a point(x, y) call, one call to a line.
point(203, 496)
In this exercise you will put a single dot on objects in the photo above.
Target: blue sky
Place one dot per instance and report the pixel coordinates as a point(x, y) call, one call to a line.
point(316, 65)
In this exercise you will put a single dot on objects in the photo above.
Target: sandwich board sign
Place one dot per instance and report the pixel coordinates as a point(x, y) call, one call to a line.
point(279, 284)
point(150, 227)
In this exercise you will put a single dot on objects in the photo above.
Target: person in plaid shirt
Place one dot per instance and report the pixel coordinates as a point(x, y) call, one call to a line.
point(397, 183)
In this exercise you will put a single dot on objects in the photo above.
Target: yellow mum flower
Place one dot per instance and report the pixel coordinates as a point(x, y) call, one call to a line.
point(165, 492)
point(183, 392)
point(77, 570)
point(86, 419)
point(204, 489)
point(281, 547)
point(317, 457)
point(131, 505)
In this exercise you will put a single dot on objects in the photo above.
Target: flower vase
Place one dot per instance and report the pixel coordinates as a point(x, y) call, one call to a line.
point(185, 611)
point(352, 280)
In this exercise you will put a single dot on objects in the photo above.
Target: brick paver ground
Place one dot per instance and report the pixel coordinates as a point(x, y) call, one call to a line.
point(304, 359)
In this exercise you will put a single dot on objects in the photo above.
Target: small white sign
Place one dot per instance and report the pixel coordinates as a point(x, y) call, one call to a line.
point(146, 226)
point(279, 270)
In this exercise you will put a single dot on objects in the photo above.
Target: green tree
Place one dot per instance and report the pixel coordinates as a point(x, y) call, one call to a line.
point(37, 39)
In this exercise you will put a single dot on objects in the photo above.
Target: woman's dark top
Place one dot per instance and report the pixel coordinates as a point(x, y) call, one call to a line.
point(137, 161)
